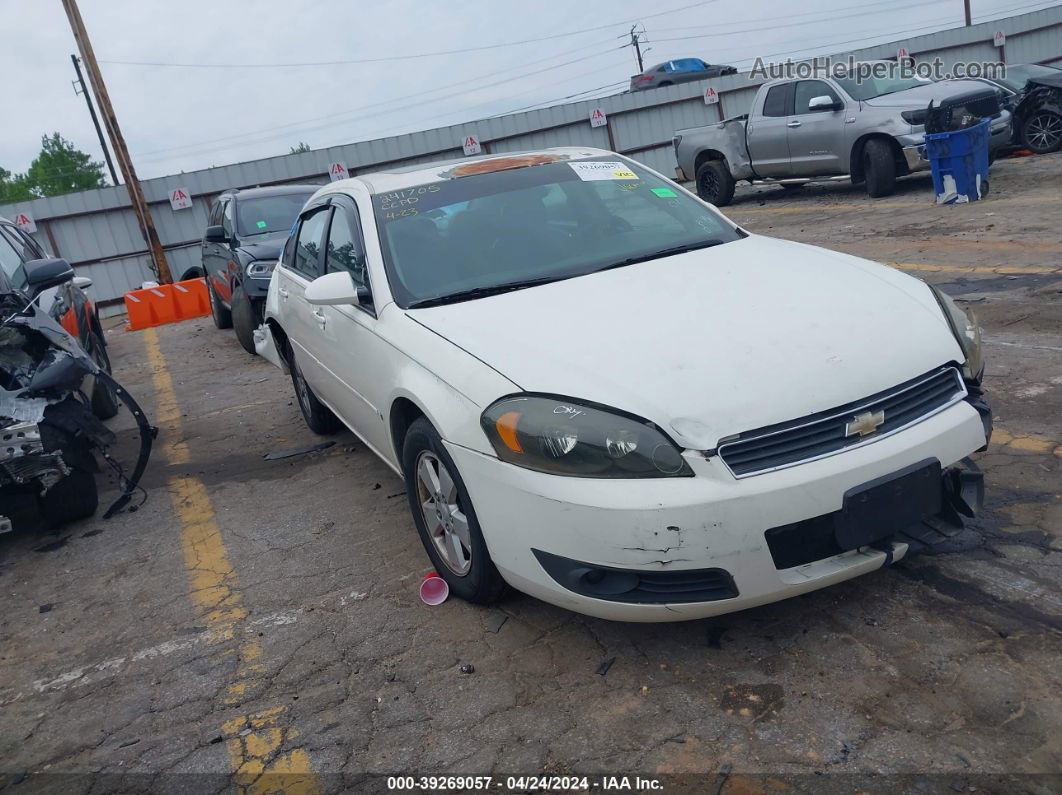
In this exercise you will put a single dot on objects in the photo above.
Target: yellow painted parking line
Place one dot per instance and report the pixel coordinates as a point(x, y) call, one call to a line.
point(1025, 443)
point(932, 267)
point(254, 742)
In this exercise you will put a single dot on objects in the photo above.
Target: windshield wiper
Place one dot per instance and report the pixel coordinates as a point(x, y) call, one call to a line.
point(664, 252)
point(482, 292)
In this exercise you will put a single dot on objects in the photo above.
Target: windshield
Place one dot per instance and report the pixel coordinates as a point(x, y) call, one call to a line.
point(534, 224)
point(261, 215)
point(873, 86)
point(1018, 76)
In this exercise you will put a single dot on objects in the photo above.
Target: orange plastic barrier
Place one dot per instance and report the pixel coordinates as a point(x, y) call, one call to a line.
point(167, 303)
point(191, 298)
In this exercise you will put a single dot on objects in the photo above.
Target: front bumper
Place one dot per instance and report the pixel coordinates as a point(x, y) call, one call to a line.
point(256, 289)
point(692, 525)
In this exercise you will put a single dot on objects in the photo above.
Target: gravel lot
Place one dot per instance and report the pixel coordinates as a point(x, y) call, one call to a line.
point(262, 615)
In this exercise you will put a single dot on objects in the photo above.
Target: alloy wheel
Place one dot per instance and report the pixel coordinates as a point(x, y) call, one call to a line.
point(1044, 131)
point(444, 518)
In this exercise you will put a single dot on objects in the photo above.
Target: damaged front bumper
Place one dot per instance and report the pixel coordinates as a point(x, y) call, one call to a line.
point(686, 548)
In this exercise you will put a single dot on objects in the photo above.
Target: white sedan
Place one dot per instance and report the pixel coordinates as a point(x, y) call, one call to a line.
point(602, 392)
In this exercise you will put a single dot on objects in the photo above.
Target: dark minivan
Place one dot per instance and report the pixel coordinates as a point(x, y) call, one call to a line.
point(245, 234)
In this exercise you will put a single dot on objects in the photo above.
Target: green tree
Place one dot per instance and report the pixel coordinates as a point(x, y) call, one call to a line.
point(302, 147)
point(14, 187)
point(60, 168)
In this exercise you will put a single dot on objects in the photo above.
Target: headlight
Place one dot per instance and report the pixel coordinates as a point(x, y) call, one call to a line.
point(967, 333)
point(915, 117)
point(260, 268)
point(563, 437)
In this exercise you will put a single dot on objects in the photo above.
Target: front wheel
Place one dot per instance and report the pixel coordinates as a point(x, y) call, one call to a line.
point(222, 316)
point(1042, 132)
point(104, 401)
point(715, 183)
point(246, 317)
point(879, 167)
point(445, 518)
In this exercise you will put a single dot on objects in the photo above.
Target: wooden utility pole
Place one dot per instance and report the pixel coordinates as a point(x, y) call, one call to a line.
point(636, 42)
point(114, 132)
point(966, 8)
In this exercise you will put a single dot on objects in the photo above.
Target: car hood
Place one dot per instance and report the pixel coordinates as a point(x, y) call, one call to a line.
point(713, 342)
point(919, 96)
point(266, 248)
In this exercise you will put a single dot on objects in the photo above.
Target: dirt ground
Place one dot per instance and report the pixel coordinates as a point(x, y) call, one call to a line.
point(262, 615)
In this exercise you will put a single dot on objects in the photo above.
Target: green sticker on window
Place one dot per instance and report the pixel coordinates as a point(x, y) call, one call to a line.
point(263, 224)
point(665, 193)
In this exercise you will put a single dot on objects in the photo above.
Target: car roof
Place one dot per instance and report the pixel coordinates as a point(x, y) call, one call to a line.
point(439, 171)
point(271, 190)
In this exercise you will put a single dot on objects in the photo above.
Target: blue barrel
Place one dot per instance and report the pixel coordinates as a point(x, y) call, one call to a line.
point(959, 161)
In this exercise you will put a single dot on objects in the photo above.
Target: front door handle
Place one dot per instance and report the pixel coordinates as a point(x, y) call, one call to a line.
point(317, 313)
point(282, 293)
point(793, 123)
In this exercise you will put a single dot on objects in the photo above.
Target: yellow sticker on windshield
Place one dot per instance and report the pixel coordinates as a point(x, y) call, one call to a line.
point(592, 171)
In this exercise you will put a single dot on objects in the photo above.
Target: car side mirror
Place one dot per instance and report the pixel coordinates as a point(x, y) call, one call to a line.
point(336, 289)
point(823, 103)
point(82, 282)
point(44, 273)
point(216, 234)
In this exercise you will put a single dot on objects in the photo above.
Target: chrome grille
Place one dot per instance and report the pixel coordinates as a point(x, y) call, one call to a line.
point(825, 433)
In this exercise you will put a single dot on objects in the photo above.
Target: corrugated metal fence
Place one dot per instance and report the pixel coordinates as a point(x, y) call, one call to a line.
point(97, 231)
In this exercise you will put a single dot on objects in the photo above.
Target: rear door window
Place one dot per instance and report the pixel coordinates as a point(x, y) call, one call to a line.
point(777, 100)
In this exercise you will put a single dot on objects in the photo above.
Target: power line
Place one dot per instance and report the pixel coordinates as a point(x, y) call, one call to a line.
point(407, 57)
point(464, 87)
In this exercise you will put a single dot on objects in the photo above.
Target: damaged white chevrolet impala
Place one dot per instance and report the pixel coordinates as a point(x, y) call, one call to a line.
point(602, 392)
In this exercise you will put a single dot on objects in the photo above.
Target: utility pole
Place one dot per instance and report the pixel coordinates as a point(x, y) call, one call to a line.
point(636, 42)
point(114, 132)
point(81, 88)
point(966, 8)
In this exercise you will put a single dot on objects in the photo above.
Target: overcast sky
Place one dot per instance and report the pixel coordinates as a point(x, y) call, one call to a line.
point(183, 118)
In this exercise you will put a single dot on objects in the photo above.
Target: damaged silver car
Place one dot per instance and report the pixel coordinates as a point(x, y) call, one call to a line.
point(50, 440)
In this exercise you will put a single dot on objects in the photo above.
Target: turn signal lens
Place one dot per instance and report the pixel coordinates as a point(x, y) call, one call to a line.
point(506, 427)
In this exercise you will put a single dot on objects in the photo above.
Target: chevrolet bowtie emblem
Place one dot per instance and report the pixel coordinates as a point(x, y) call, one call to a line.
point(864, 424)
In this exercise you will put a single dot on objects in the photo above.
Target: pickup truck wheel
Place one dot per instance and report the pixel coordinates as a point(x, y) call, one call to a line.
point(246, 317)
point(222, 316)
point(319, 418)
point(715, 184)
point(879, 168)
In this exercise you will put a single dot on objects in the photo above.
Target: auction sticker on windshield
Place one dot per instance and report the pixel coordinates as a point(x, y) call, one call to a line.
point(591, 171)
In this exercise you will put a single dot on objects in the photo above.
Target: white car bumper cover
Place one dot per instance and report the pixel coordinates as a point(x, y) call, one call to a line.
point(707, 521)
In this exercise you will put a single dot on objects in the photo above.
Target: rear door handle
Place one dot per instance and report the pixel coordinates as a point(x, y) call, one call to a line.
point(793, 123)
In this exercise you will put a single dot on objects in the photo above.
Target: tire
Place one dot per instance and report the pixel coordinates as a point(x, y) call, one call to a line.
point(879, 168)
point(74, 497)
point(1042, 132)
point(715, 184)
point(104, 401)
point(479, 582)
point(246, 317)
point(222, 316)
point(319, 418)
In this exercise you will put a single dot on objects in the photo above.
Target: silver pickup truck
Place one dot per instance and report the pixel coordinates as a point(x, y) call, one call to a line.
point(869, 130)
